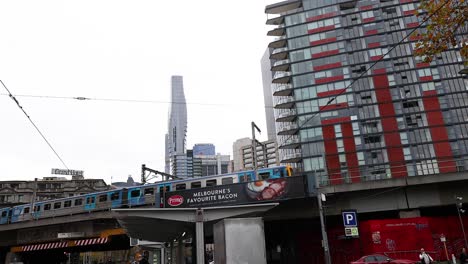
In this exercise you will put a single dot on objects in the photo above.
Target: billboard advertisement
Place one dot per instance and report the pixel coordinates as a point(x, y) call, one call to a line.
point(238, 193)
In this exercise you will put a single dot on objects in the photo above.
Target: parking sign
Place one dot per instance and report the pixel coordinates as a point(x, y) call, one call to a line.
point(349, 218)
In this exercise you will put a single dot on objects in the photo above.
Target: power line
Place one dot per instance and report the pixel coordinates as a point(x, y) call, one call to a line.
point(365, 72)
point(30, 120)
point(83, 98)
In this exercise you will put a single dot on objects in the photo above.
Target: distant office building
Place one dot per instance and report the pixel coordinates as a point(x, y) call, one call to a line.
point(237, 158)
point(204, 149)
point(206, 165)
point(268, 95)
point(20, 192)
point(177, 129)
point(266, 155)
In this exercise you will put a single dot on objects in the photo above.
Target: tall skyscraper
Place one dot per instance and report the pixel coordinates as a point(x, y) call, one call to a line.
point(353, 102)
point(177, 130)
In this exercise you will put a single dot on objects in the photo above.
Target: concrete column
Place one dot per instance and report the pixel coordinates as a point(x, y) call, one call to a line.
point(240, 240)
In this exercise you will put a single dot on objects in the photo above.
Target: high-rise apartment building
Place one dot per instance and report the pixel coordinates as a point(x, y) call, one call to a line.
point(177, 130)
point(353, 102)
point(267, 95)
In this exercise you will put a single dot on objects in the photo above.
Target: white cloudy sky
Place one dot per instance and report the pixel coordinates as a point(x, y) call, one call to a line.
point(125, 50)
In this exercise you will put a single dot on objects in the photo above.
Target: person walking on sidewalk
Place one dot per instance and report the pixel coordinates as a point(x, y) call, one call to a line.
point(424, 257)
point(463, 257)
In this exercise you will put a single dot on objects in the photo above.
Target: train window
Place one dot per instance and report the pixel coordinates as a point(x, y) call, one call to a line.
point(244, 178)
point(37, 208)
point(227, 180)
point(90, 200)
point(264, 175)
point(149, 191)
point(26, 210)
point(180, 186)
point(103, 198)
point(135, 193)
point(211, 183)
point(196, 184)
point(57, 205)
point(4, 213)
point(67, 203)
point(47, 207)
point(115, 196)
point(78, 202)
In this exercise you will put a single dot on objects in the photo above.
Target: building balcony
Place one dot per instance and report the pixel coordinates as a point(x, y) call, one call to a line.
point(281, 65)
point(279, 54)
point(291, 143)
point(278, 43)
point(285, 103)
point(275, 20)
point(282, 77)
point(283, 90)
point(292, 158)
point(282, 7)
point(287, 116)
point(279, 31)
point(288, 130)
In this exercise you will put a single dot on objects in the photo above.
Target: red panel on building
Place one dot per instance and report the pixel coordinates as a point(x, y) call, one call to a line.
point(409, 12)
point(412, 24)
point(389, 126)
point(322, 41)
point(423, 65)
point(325, 53)
point(373, 45)
point(332, 92)
point(439, 135)
point(371, 32)
point(326, 66)
point(367, 7)
point(331, 154)
point(333, 106)
point(320, 17)
point(329, 79)
point(350, 149)
point(369, 19)
point(321, 29)
point(376, 58)
point(426, 79)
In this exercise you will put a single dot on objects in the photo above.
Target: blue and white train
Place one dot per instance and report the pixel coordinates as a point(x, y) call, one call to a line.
point(148, 194)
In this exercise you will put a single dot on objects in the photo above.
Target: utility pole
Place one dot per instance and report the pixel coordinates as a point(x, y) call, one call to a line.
point(33, 200)
point(326, 248)
point(254, 147)
point(460, 210)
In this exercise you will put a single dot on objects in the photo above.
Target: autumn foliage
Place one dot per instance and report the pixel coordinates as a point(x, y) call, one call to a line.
point(447, 27)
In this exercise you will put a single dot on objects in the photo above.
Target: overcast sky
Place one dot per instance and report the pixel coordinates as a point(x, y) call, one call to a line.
point(52, 51)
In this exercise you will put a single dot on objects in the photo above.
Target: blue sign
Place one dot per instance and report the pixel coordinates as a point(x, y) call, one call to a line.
point(349, 218)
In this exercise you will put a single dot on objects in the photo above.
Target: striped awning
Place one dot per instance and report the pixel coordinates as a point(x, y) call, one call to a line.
point(91, 241)
point(44, 246)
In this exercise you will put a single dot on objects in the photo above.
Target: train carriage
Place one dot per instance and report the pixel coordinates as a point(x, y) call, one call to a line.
point(149, 194)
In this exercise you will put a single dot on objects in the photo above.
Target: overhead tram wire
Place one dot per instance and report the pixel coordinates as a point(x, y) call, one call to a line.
point(331, 100)
point(82, 98)
point(30, 120)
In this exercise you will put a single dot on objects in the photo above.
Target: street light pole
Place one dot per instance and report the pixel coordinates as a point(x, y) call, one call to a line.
point(459, 205)
point(326, 248)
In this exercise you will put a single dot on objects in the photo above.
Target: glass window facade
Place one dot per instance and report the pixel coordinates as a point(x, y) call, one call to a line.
point(366, 108)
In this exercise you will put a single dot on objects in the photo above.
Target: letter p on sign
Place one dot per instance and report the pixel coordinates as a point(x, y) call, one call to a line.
point(349, 218)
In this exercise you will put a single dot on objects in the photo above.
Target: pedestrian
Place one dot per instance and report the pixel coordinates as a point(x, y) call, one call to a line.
point(109, 261)
point(424, 257)
point(463, 257)
point(144, 258)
